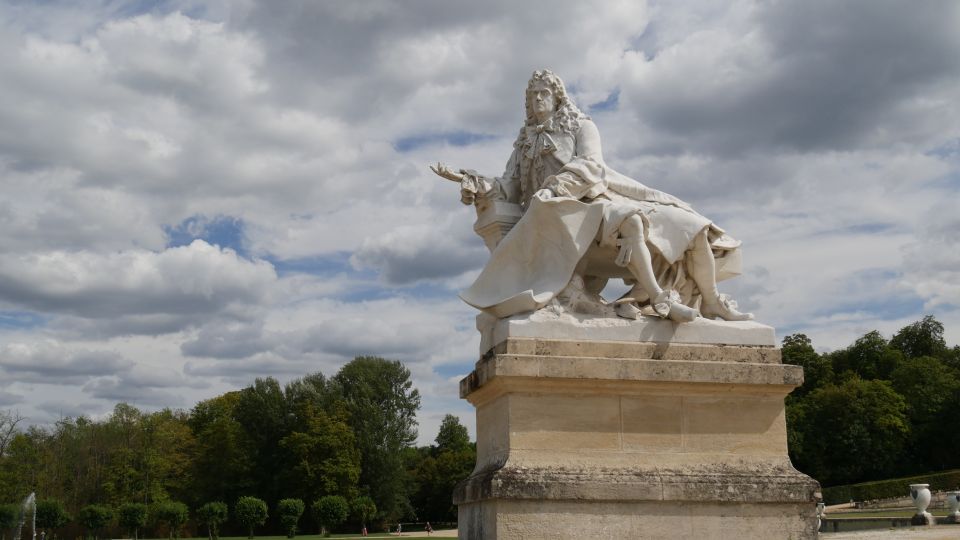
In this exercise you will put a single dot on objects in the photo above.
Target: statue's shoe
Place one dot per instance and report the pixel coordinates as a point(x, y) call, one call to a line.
point(668, 305)
point(724, 308)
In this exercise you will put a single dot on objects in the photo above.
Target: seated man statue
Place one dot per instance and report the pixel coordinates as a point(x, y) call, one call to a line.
point(584, 221)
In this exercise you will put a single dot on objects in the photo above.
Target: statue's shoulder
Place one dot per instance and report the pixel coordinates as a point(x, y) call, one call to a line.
point(586, 123)
point(521, 137)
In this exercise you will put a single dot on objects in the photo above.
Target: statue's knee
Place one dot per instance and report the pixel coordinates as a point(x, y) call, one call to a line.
point(632, 227)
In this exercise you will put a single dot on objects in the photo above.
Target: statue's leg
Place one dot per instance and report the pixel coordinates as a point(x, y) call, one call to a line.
point(704, 274)
point(635, 255)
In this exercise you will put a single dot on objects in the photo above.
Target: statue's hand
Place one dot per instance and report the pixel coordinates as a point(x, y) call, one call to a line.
point(445, 172)
point(544, 194)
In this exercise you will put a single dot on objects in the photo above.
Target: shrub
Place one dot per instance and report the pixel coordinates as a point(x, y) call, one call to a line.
point(212, 515)
point(94, 517)
point(173, 514)
point(8, 518)
point(51, 515)
point(251, 512)
point(329, 512)
point(132, 517)
point(290, 511)
point(886, 489)
point(363, 509)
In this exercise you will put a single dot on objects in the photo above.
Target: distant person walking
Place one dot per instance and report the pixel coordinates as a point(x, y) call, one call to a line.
point(429, 529)
point(363, 531)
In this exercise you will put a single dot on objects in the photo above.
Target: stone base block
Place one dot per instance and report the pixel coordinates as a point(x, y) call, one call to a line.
point(596, 520)
point(608, 439)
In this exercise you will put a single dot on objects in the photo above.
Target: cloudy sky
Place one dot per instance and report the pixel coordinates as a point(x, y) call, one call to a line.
point(195, 194)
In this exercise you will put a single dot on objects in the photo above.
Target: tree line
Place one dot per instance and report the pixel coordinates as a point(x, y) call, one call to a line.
point(876, 409)
point(316, 453)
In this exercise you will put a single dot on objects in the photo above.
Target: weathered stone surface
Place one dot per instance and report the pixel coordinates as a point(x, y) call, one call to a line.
point(513, 369)
point(547, 325)
point(532, 520)
point(756, 354)
point(632, 440)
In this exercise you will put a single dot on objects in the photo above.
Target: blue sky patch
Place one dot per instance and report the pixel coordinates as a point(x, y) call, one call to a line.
point(453, 138)
point(378, 291)
point(223, 231)
point(331, 263)
point(453, 369)
point(862, 228)
point(21, 320)
point(609, 104)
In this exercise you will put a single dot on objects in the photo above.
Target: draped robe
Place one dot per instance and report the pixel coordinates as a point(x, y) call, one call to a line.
point(538, 257)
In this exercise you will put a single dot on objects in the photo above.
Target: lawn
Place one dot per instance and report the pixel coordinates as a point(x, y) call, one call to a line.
point(417, 535)
point(881, 513)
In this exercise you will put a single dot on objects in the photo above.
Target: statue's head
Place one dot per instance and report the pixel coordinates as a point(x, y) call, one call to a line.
point(544, 83)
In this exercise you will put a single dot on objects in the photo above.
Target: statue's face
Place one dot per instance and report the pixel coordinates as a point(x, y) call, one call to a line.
point(542, 101)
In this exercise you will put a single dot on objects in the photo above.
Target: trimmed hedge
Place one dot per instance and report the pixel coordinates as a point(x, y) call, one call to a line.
point(887, 489)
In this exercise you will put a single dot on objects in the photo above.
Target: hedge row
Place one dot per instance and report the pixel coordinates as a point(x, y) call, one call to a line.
point(895, 487)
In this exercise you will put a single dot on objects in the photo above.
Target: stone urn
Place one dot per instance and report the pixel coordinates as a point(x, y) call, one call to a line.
point(920, 494)
point(953, 504)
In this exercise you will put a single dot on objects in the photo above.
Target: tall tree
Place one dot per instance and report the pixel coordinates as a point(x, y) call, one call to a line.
point(928, 386)
point(263, 412)
point(817, 370)
point(382, 404)
point(9, 420)
point(453, 435)
point(222, 463)
point(922, 338)
point(438, 469)
point(870, 357)
point(842, 425)
point(321, 453)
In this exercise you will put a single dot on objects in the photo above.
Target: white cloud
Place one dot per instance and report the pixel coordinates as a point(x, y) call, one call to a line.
point(186, 281)
point(823, 135)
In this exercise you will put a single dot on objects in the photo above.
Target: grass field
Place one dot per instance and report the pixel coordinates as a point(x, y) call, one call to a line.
point(881, 513)
point(418, 535)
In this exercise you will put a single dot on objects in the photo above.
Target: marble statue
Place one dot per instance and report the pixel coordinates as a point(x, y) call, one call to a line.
point(582, 223)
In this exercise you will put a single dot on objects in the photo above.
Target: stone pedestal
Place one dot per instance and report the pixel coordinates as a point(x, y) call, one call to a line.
point(623, 438)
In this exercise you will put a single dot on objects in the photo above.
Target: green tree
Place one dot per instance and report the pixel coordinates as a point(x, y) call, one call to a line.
point(51, 515)
point(132, 517)
point(438, 469)
point(321, 452)
point(817, 370)
point(222, 463)
point(251, 512)
point(9, 421)
point(212, 514)
point(330, 512)
point(289, 511)
point(173, 514)
point(9, 513)
point(853, 432)
point(870, 357)
point(928, 386)
point(363, 509)
point(453, 435)
point(382, 404)
point(94, 517)
point(263, 412)
point(922, 338)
